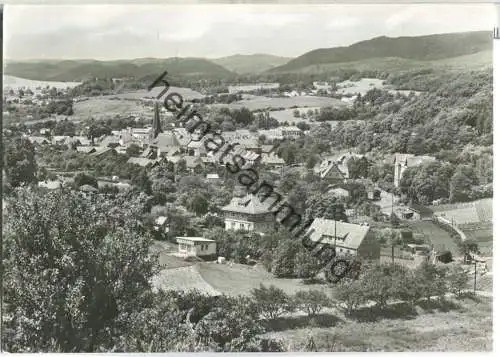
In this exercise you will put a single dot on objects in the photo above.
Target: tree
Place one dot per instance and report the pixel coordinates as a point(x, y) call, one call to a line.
point(378, 283)
point(272, 301)
point(311, 301)
point(458, 280)
point(133, 150)
point(19, 162)
point(142, 181)
point(358, 168)
point(75, 267)
point(431, 279)
point(468, 246)
point(349, 296)
point(197, 203)
point(84, 179)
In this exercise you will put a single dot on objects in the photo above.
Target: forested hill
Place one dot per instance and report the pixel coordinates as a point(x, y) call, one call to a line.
point(421, 48)
point(80, 70)
point(250, 63)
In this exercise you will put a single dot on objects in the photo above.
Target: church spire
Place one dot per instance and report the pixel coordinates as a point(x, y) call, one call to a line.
point(156, 121)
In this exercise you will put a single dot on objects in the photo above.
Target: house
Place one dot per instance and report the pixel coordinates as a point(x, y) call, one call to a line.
point(404, 161)
point(272, 160)
point(322, 86)
point(248, 213)
point(39, 140)
point(291, 132)
point(342, 162)
point(164, 143)
point(339, 192)
point(50, 184)
point(196, 148)
point(86, 149)
point(328, 169)
point(160, 224)
point(213, 178)
point(197, 247)
point(103, 152)
point(348, 239)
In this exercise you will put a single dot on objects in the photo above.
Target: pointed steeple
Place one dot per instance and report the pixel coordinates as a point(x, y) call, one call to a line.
point(156, 122)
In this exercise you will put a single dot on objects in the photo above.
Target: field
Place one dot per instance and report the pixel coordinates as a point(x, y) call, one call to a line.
point(100, 107)
point(362, 86)
point(235, 279)
point(260, 102)
point(241, 279)
point(463, 325)
point(17, 82)
point(287, 115)
point(186, 93)
point(440, 238)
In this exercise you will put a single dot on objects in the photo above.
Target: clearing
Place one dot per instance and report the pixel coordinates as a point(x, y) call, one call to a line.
point(459, 325)
point(239, 279)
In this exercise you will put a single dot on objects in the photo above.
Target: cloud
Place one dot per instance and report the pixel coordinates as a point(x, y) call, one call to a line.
point(345, 22)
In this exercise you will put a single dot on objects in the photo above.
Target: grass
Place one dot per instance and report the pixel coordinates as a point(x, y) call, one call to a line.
point(98, 107)
point(241, 279)
point(440, 238)
point(17, 82)
point(261, 102)
point(183, 278)
point(464, 325)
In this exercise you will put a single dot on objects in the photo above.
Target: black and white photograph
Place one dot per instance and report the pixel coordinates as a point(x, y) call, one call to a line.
point(234, 176)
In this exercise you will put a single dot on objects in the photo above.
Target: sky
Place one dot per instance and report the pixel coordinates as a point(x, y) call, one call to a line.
point(108, 32)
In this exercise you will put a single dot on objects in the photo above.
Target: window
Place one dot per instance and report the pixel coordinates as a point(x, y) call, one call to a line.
point(242, 226)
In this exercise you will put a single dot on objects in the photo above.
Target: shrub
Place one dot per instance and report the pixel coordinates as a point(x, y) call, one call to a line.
point(311, 302)
point(272, 301)
point(349, 296)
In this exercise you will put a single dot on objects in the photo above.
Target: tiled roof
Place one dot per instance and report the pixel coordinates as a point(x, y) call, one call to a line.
point(165, 140)
point(249, 204)
point(348, 235)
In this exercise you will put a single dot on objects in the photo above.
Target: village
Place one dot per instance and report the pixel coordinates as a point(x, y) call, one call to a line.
point(337, 197)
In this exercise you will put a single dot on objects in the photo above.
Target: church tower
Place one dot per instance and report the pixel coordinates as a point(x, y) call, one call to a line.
point(156, 122)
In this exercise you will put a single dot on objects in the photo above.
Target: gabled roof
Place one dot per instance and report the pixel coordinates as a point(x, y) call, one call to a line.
point(86, 149)
point(272, 159)
point(182, 136)
point(38, 139)
point(165, 140)
point(102, 150)
point(249, 204)
point(348, 235)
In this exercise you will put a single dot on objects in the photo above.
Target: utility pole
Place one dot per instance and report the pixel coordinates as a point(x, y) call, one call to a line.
point(475, 275)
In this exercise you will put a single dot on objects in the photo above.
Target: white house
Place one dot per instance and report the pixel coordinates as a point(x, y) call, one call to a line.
point(196, 247)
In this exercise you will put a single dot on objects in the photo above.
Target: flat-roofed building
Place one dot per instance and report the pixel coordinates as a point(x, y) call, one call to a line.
point(196, 247)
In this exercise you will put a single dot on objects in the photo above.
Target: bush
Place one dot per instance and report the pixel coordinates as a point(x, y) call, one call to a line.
point(311, 302)
point(349, 296)
point(457, 280)
point(272, 301)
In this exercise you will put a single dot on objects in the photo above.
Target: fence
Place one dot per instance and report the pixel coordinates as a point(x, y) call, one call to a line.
point(449, 227)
